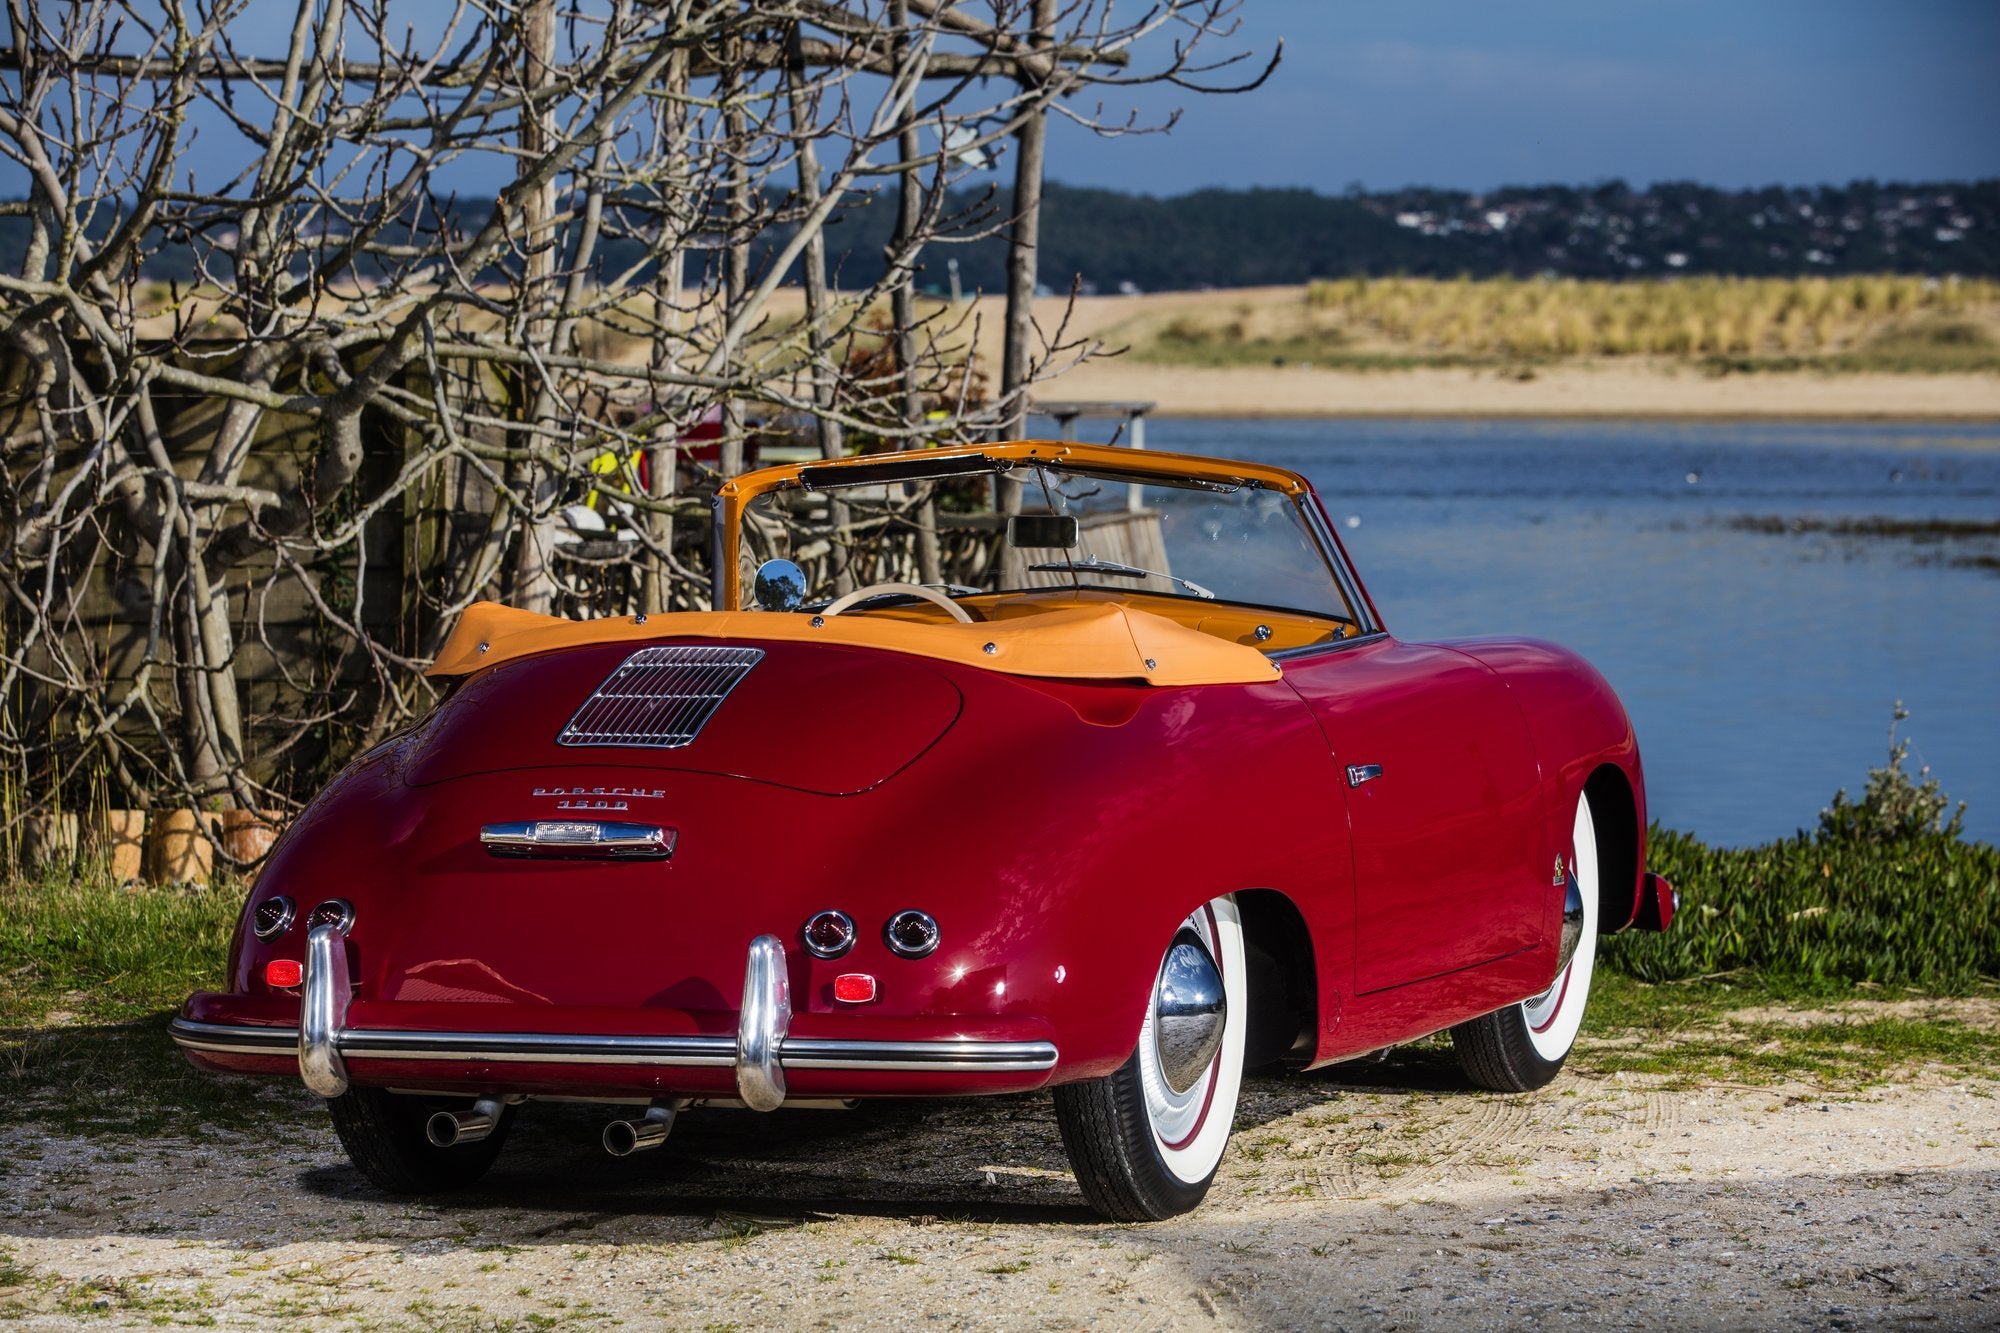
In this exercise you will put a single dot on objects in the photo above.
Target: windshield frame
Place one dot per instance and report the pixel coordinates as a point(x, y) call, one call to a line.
point(1111, 463)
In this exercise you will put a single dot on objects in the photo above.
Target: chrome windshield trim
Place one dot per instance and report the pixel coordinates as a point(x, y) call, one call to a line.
point(999, 1057)
point(1334, 554)
point(1330, 646)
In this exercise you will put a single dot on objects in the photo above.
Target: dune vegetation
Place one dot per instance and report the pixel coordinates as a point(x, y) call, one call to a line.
point(1865, 323)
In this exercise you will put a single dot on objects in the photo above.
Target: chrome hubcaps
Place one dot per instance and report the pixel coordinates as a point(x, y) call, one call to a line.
point(1190, 1012)
point(1572, 922)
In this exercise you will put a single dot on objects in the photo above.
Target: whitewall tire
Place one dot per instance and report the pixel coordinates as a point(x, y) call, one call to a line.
point(1146, 1139)
point(1524, 1045)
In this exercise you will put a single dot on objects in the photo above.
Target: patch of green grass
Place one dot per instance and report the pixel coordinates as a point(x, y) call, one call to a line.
point(1189, 342)
point(1835, 1054)
point(1620, 1003)
point(13, 1273)
point(1933, 345)
point(89, 976)
point(1694, 1033)
point(128, 1079)
point(91, 948)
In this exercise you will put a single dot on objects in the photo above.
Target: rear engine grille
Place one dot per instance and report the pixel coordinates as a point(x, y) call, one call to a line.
point(660, 697)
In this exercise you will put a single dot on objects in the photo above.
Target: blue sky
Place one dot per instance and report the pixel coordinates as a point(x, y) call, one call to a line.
point(1477, 93)
point(1472, 94)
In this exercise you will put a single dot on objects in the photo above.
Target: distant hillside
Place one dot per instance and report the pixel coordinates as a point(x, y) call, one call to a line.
point(1238, 238)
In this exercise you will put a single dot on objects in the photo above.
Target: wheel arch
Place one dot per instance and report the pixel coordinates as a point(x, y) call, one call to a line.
point(1615, 815)
point(1283, 1022)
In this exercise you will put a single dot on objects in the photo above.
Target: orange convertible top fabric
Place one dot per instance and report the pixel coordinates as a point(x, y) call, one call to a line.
point(1097, 641)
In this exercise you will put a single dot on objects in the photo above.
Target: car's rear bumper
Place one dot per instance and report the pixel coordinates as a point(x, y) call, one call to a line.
point(332, 1042)
point(280, 1044)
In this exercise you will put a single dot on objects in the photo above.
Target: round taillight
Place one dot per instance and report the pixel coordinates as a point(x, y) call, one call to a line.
point(829, 934)
point(272, 918)
point(911, 933)
point(335, 912)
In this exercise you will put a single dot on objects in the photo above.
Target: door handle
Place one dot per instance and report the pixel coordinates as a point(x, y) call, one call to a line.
point(1360, 773)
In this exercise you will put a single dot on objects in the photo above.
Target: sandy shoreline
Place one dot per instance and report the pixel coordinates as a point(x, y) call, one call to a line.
point(1631, 387)
point(1559, 391)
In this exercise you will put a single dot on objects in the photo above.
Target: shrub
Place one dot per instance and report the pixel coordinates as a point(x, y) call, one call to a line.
point(1884, 892)
point(1893, 806)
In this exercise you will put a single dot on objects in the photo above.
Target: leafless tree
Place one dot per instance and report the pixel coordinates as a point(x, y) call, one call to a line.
point(242, 507)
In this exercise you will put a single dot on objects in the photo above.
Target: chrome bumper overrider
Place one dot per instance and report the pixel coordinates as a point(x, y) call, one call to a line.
point(760, 1053)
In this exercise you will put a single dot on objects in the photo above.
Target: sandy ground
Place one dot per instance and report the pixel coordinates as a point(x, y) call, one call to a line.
point(1376, 1196)
point(1560, 391)
point(1605, 388)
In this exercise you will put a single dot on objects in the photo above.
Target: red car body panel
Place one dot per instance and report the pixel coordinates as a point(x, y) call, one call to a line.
point(1448, 838)
point(1059, 831)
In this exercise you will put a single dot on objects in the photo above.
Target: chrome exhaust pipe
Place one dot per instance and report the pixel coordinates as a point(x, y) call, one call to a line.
point(622, 1138)
point(448, 1129)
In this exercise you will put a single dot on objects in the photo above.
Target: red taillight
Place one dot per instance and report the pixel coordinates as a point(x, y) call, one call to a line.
point(282, 972)
point(829, 934)
point(854, 988)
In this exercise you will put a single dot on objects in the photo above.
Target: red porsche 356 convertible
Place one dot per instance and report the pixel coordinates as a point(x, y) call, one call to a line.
point(1030, 765)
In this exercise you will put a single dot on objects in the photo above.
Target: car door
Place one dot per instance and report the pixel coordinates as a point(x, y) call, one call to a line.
point(1443, 804)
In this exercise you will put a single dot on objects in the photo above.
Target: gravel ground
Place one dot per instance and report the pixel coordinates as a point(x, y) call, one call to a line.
point(1376, 1196)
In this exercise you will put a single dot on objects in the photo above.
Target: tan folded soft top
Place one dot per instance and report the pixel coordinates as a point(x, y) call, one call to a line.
point(1096, 640)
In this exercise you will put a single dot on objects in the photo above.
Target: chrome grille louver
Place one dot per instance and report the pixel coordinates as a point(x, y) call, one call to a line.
point(660, 697)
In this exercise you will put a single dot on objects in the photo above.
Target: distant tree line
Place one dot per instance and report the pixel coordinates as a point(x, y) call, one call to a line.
point(1245, 238)
point(1104, 239)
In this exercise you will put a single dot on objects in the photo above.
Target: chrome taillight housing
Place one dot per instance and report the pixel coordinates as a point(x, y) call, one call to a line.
point(829, 934)
point(272, 918)
point(911, 934)
point(335, 912)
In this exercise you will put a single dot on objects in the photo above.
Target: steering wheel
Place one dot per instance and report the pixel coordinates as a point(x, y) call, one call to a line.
point(860, 595)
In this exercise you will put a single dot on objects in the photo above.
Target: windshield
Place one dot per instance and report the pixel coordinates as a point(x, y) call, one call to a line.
point(1195, 540)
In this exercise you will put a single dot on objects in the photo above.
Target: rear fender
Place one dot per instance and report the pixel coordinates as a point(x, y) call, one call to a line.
point(1583, 740)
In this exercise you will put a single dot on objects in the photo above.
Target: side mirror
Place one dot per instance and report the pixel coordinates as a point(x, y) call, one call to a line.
point(780, 586)
point(1043, 531)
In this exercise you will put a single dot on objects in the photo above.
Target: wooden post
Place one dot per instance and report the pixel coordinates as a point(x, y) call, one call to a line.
point(903, 297)
point(663, 455)
point(534, 580)
point(736, 270)
point(1024, 242)
point(832, 438)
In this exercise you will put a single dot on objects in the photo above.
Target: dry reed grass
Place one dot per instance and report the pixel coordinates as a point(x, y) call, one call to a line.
point(1869, 316)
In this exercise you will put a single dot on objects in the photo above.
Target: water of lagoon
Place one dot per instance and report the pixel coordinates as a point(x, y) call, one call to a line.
point(1759, 667)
